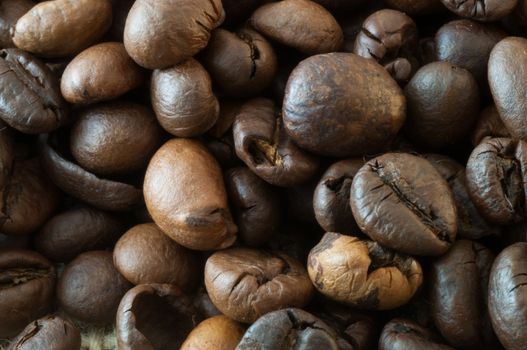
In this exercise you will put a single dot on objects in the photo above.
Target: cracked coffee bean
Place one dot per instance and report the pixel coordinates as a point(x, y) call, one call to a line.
point(402, 202)
point(218, 332)
point(403, 334)
point(363, 274)
point(245, 284)
point(481, 10)
point(489, 125)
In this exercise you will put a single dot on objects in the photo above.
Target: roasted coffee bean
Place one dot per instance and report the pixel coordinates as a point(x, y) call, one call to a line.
point(263, 144)
point(496, 177)
point(331, 200)
point(61, 28)
point(183, 100)
point(100, 73)
point(362, 273)
point(416, 7)
point(320, 105)
point(458, 296)
point(76, 231)
point(144, 254)
point(159, 34)
point(443, 105)
point(245, 284)
point(90, 288)
point(218, 332)
point(485, 11)
point(28, 284)
point(10, 12)
point(154, 316)
point(50, 332)
point(256, 206)
point(7, 153)
point(390, 38)
point(403, 334)
point(30, 99)
point(115, 137)
point(186, 197)
point(470, 223)
point(286, 22)
point(402, 202)
point(489, 125)
point(507, 308)
point(291, 328)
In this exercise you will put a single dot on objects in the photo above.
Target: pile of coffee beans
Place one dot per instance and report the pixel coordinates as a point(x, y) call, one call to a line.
point(263, 175)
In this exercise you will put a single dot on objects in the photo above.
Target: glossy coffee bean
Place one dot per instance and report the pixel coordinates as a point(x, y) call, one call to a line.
point(154, 316)
point(507, 308)
point(76, 231)
point(495, 178)
point(331, 200)
point(61, 28)
point(485, 11)
point(264, 145)
point(458, 296)
point(144, 254)
point(183, 100)
point(256, 205)
point(186, 197)
point(28, 284)
point(332, 92)
point(402, 202)
point(100, 73)
point(362, 274)
point(245, 284)
point(443, 105)
point(403, 334)
point(10, 12)
point(489, 125)
point(287, 22)
point(25, 78)
point(50, 332)
point(159, 34)
point(416, 7)
point(218, 332)
point(90, 288)
point(115, 137)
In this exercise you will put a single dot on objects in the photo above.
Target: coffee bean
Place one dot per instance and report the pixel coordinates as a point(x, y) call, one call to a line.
point(218, 332)
point(403, 334)
point(486, 11)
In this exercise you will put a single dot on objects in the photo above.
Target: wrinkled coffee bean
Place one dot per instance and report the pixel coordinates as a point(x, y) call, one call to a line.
point(186, 197)
point(90, 288)
point(362, 273)
point(245, 284)
point(402, 202)
point(481, 10)
point(403, 334)
point(27, 288)
point(489, 125)
point(50, 332)
point(320, 105)
point(10, 12)
point(217, 332)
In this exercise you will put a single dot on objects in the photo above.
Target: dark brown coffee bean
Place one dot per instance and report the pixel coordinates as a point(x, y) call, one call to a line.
point(76, 231)
point(347, 128)
point(62, 27)
point(30, 99)
point(264, 145)
point(10, 12)
point(185, 194)
point(115, 137)
point(218, 332)
point(28, 284)
point(470, 223)
point(508, 83)
point(154, 316)
point(144, 254)
point(489, 125)
point(402, 202)
point(416, 7)
point(256, 206)
point(361, 273)
point(458, 296)
point(300, 24)
point(245, 284)
point(7, 153)
point(90, 288)
point(183, 100)
point(81, 184)
point(507, 308)
point(403, 334)
point(100, 73)
point(481, 10)
point(50, 332)
point(390, 38)
point(331, 200)
point(496, 177)
point(443, 105)
point(159, 34)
